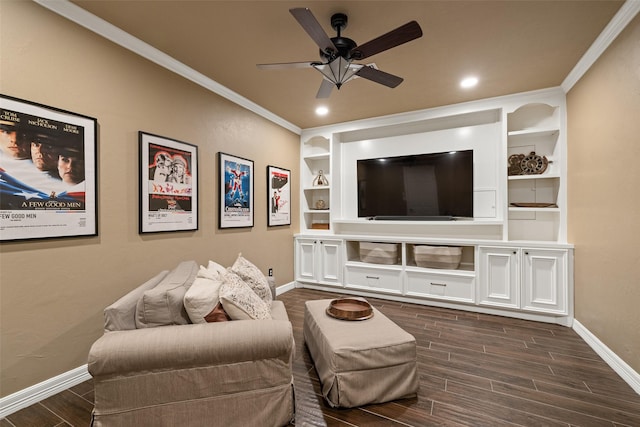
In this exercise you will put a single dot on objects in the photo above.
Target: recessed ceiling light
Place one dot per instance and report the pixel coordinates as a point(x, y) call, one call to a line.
point(468, 82)
point(322, 111)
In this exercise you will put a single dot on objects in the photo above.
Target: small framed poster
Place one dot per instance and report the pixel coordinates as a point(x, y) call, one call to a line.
point(236, 191)
point(278, 196)
point(168, 184)
point(48, 172)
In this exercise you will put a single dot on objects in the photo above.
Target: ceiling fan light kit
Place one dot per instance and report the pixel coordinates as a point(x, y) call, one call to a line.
point(338, 71)
point(338, 53)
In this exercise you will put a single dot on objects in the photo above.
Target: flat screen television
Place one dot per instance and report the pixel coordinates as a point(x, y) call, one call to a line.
point(434, 186)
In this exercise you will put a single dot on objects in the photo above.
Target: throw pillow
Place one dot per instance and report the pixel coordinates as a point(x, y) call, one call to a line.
point(208, 274)
point(164, 304)
point(202, 297)
point(216, 268)
point(239, 300)
point(253, 277)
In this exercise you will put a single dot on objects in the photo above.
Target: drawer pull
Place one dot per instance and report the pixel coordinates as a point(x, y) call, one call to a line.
point(373, 277)
point(438, 284)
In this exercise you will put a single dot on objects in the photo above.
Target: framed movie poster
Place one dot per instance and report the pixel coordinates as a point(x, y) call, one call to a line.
point(168, 184)
point(278, 196)
point(48, 172)
point(236, 191)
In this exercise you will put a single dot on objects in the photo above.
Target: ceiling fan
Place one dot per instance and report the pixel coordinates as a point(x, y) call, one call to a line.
point(338, 53)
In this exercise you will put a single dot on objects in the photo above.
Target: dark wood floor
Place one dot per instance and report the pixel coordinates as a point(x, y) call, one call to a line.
point(475, 370)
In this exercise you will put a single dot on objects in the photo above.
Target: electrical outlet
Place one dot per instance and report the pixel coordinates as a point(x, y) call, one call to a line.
point(271, 272)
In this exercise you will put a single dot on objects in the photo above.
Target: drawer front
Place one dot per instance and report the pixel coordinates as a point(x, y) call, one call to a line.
point(367, 278)
point(441, 286)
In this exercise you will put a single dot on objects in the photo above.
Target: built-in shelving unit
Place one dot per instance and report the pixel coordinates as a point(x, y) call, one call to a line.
point(515, 257)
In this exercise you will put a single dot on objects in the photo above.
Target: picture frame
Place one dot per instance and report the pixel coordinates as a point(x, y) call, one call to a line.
point(278, 196)
point(235, 193)
point(48, 172)
point(168, 184)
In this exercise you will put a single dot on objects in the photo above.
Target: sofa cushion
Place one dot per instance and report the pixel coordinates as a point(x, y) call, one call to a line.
point(240, 301)
point(202, 297)
point(253, 277)
point(164, 304)
point(121, 315)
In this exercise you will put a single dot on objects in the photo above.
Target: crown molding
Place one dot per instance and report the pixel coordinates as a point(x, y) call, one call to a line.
point(627, 12)
point(101, 27)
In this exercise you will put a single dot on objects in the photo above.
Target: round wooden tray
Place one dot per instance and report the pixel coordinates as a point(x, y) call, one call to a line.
point(350, 309)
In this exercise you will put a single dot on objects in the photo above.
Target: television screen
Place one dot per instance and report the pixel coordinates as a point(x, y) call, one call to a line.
point(424, 185)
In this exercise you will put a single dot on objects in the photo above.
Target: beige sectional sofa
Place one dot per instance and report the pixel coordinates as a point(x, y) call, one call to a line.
point(153, 367)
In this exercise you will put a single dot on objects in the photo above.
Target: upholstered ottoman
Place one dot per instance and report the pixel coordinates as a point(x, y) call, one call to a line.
point(360, 362)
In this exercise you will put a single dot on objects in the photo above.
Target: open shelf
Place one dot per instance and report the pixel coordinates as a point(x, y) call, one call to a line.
point(316, 157)
point(536, 127)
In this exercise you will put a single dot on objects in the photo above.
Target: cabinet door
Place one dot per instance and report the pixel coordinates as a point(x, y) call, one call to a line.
point(499, 277)
point(330, 261)
point(544, 276)
point(305, 265)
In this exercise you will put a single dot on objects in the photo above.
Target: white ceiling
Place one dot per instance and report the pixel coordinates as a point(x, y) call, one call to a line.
point(511, 46)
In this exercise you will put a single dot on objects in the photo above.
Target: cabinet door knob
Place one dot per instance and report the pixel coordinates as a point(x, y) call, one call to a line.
point(515, 252)
point(526, 253)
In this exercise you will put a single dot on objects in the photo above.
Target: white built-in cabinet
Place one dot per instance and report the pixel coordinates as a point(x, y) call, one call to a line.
point(529, 282)
point(516, 259)
point(530, 279)
point(319, 261)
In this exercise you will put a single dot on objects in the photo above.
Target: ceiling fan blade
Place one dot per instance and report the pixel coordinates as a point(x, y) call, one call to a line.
point(400, 35)
point(325, 89)
point(286, 65)
point(310, 24)
point(378, 76)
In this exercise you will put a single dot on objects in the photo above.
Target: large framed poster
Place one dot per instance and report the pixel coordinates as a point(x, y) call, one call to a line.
point(278, 196)
point(168, 184)
point(236, 191)
point(48, 172)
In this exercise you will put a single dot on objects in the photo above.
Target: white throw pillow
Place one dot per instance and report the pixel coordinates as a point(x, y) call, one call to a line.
point(216, 268)
point(208, 274)
point(253, 277)
point(201, 298)
point(239, 301)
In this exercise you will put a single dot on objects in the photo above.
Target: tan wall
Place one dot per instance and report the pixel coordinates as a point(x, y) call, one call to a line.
point(604, 195)
point(53, 292)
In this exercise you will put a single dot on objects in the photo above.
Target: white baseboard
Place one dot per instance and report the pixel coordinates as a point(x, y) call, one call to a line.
point(34, 394)
point(626, 372)
point(285, 288)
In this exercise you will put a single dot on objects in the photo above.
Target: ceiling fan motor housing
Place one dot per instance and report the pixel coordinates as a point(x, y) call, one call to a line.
point(343, 44)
